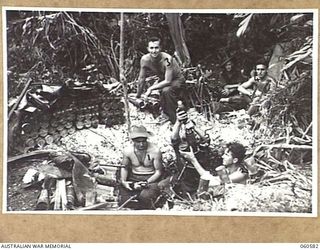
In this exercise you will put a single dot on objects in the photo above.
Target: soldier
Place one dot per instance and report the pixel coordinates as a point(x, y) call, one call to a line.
point(256, 87)
point(185, 135)
point(142, 171)
point(251, 91)
point(233, 157)
point(230, 79)
point(170, 77)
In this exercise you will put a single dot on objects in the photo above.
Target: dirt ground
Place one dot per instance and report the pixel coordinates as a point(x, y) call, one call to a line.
point(105, 146)
point(19, 198)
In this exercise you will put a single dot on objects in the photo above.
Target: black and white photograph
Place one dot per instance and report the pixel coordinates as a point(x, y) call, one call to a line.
point(160, 112)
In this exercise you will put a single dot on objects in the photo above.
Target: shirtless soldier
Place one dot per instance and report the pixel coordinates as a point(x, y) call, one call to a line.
point(142, 171)
point(170, 77)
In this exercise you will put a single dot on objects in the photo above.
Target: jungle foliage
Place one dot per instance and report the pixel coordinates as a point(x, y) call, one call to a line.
point(52, 47)
point(55, 47)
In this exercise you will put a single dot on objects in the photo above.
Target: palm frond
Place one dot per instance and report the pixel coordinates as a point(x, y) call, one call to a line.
point(243, 26)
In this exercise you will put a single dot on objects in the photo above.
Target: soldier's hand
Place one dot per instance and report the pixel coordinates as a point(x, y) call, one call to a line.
point(182, 116)
point(139, 185)
point(126, 184)
point(148, 92)
point(224, 99)
point(189, 156)
point(225, 92)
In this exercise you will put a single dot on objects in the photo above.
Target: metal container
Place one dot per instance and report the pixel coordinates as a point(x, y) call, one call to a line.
point(44, 124)
point(52, 130)
point(43, 132)
point(54, 123)
point(64, 132)
point(95, 122)
point(71, 130)
point(69, 124)
point(49, 139)
point(60, 127)
point(30, 143)
point(40, 142)
point(87, 123)
point(79, 125)
point(33, 135)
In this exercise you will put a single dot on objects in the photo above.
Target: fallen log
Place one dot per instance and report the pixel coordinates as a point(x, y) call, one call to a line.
point(27, 156)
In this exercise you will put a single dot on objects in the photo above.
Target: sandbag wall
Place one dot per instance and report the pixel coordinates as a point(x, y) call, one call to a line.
point(74, 109)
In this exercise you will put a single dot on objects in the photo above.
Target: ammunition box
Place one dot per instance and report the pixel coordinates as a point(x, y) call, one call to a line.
point(74, 109)
point(44, 124)
point(33, 135)
point(54, 123)
point(43, 132)
point(60, 127)
point(40, 142)
point(71, 130)
point(79, 125)
point(68, 125)
point(87, 123)
point(30, 143)
point(49, 139)
point(52, 130)
point(64, 132)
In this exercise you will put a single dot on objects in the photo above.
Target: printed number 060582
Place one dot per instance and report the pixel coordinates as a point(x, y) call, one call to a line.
point(310, 246)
